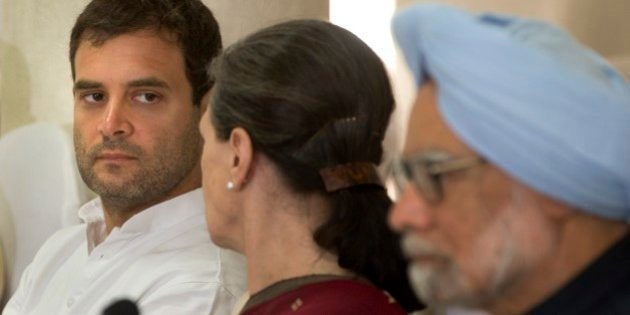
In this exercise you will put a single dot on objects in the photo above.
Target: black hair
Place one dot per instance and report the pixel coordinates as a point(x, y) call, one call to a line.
point(189, 21)
point(312, 95)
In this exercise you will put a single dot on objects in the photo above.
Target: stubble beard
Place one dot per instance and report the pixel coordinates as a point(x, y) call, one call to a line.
point(153, 176)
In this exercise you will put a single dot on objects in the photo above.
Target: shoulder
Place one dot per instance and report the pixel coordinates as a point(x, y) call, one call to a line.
point(45, 265)
point(62, 243)
point(198, 264)
point(198, 275)
point(57, 248)
point(332, 297)
point(185, 251)
point(357, 297)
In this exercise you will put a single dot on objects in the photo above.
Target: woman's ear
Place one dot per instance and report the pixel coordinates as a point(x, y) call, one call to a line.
point(204, 103)
point(243, 152)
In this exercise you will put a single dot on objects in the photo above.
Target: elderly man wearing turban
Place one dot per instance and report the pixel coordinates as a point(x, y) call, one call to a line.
point(515, 178)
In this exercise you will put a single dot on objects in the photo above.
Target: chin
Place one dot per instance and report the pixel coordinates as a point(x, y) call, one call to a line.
point(441, 287)
point(219, 240)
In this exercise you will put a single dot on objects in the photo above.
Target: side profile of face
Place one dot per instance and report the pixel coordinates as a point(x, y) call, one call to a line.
point(135, 127)
point(216, 161)
point(482, 237)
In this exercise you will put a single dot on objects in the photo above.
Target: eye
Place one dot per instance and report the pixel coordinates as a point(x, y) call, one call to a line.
point(96, 97)
point(430, 167)
point(147, 97)
point(437, 177)
point(423, 169)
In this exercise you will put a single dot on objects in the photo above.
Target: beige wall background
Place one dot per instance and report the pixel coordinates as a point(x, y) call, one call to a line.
point(35, 82)
point(603, 25)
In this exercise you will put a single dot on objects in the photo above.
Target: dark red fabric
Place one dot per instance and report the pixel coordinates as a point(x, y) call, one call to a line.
point(331, 297)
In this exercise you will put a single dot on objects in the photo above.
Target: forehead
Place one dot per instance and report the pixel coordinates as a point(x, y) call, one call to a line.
point(147, 51)
point(427, 130)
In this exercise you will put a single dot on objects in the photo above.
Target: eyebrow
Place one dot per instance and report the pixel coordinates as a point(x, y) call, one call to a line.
point(433, 155)
point(86, 84)
point(142, 82)
point(148, 82)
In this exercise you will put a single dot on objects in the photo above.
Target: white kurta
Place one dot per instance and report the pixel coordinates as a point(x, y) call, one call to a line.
point(162, 258)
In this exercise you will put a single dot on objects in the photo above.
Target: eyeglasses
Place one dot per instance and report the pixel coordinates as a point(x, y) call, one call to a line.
point(425, 171)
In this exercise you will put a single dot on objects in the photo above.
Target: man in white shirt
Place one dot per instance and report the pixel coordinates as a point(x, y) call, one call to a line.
point(140, 88)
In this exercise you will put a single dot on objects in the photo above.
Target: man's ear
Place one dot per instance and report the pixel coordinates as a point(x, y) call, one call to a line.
point(243, 152)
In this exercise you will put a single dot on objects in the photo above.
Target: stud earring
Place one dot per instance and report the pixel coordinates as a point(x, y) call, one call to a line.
point(230, 186)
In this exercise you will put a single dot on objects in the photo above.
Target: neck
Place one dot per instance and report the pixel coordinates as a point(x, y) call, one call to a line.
point(117, 212)
point(278, 240)
point(583, 239)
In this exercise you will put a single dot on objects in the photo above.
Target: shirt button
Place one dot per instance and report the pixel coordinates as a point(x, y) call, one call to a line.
point(70, 302)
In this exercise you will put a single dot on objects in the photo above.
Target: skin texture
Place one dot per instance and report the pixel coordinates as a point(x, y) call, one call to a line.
point(491, 242)
point(461, 246)
point(473, 244)
point(261, 217)
point(135, 132)
point(221, 212)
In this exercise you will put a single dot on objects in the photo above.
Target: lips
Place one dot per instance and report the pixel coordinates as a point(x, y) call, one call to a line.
point(115, 156)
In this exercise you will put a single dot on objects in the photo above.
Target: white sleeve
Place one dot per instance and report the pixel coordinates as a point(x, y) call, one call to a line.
point(189, 298)
point(15, 306)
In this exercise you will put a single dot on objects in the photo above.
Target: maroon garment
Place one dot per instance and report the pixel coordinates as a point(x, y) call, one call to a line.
point(330, 297)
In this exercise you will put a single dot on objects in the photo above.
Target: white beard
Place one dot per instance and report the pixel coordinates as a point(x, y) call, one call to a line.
point(435, 284)
point(445, 284)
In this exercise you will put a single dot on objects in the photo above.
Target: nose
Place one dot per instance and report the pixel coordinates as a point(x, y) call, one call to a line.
point(410, 212)
point(115, 123)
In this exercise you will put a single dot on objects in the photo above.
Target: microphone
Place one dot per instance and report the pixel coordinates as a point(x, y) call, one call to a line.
point(122, 307)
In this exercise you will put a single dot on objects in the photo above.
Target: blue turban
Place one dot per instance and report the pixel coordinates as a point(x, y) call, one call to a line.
point(530, 99)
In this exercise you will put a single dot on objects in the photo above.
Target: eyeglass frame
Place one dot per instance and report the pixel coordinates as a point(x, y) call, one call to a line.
point(424, 174)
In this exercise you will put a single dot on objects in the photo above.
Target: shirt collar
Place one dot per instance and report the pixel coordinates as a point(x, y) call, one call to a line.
point(166, 214)
point(158, 217)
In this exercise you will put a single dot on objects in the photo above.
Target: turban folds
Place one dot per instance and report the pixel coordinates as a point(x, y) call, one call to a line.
point(530, 99)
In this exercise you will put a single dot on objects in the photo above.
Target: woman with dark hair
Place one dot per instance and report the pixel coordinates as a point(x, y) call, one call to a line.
point(293, 135)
